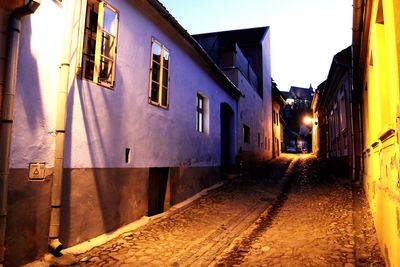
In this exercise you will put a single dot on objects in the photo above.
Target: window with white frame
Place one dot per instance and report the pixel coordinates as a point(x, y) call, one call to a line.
point(159, 75)
point(200, 113)
point(100, 43)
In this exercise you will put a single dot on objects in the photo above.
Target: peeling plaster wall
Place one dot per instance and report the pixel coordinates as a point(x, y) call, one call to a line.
point(381, 125)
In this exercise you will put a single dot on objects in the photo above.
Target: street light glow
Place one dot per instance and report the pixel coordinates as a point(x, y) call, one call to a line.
point(307, 120)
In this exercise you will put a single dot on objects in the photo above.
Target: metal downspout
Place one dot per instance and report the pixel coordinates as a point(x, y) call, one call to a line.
point(54, 244)
point(353, 156)
point(7, 112)
point(358, 17)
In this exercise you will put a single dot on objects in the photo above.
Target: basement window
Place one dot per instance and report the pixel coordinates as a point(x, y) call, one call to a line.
point(100, 43)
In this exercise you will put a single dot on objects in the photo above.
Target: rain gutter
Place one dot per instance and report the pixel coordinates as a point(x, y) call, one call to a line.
point(7, 112)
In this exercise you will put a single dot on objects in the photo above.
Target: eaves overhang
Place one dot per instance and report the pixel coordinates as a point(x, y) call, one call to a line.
point(230, 88)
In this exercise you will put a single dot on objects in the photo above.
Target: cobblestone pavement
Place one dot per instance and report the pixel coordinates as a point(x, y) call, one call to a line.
point(197, 234)
point(286, 213)
point(321, 221)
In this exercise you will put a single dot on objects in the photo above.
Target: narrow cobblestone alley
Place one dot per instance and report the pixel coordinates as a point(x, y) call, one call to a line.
point(285, 213)
point(312, 225)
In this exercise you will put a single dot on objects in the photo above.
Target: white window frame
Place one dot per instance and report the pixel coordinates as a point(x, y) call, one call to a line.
point(204, 112)
point(200, 113)
point(160, 79)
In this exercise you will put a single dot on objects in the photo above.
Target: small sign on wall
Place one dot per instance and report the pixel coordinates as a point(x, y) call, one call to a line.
point(37, 170)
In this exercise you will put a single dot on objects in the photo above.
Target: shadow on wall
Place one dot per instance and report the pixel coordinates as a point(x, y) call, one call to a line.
point(28, 202)
point(96, 199)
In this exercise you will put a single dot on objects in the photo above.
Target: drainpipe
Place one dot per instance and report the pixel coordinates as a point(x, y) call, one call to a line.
point(14, 33)
point(353, 158)
point(358, 18)
point(54, 244)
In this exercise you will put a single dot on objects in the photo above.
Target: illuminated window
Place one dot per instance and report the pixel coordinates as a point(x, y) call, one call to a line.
point(159, 75)
point(200, 113)
point(100, 42)
point(246, 134)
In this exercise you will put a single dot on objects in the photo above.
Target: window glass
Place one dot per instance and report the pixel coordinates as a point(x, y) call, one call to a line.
point(110, 21)
point(154, 91)
point(159, 74)
point(99, 44)
point(156, 52)
point(200, 113)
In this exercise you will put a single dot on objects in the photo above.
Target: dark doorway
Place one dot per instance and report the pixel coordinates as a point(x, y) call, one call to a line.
point(158, 179)
point(227, 138)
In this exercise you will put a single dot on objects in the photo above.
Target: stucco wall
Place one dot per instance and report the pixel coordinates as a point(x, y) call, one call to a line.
point(380, 116)
point(122, 118)
point(102, 123)
point(249, 114)
point(276, 130)
point(267, 98)
point(37, 84)
point(3, 38)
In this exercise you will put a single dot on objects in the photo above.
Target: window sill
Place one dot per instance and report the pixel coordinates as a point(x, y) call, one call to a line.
point(99, 84)
point(156, 104)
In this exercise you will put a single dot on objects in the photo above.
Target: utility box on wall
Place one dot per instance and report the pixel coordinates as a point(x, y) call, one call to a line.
point(37, 171)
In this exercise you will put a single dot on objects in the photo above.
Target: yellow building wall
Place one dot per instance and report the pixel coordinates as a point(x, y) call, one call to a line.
point(315, 134)
point(381, 122)
point(276, 130)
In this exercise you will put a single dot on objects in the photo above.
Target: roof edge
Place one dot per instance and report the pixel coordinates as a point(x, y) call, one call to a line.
point(234, 90)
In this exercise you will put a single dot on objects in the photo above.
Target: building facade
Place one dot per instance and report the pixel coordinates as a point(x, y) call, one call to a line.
point(244, 56)
point(278, 102)
point(332, 107)
point(376, 79)
point(118, 114)
point(297, 135)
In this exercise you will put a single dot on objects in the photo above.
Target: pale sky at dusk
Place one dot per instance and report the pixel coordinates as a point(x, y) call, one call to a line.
point(305, 34)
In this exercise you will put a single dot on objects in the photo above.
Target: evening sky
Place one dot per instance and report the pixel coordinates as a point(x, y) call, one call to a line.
point(305, 34)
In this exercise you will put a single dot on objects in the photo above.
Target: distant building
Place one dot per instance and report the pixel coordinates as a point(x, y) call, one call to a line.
point(244, 56)
point(298, 105)
point(318, 130)
point(333, 114)
point(278, 102)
